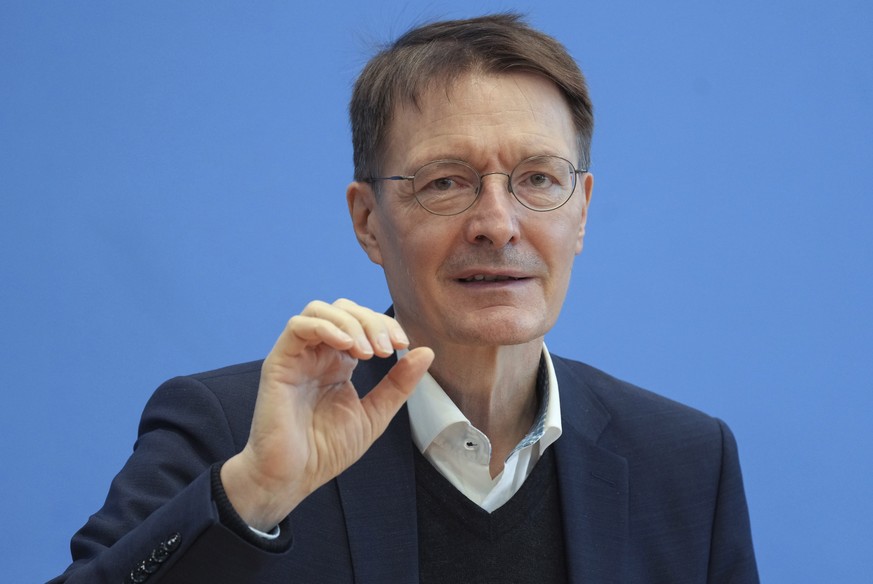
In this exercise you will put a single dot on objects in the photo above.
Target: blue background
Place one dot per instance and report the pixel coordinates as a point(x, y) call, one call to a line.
point(172, 181)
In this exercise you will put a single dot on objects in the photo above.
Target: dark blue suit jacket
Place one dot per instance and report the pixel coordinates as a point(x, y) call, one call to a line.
point(650, 489)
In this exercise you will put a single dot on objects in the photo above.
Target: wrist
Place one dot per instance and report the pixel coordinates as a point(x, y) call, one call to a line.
point(277, 541)
point(260, 507)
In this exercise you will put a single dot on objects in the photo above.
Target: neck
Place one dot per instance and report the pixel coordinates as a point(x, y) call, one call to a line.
point(495, 388)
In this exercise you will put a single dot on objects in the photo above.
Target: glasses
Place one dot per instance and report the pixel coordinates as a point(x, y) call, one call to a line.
point(450, 187)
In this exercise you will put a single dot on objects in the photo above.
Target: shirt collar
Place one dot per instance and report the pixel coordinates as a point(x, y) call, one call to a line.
point(431, 410)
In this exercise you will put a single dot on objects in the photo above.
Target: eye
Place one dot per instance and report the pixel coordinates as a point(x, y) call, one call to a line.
point(443, 184)
point(445, 187)
point(537, 181)
point(444, 178)
point(540, 180)
point(543, 175)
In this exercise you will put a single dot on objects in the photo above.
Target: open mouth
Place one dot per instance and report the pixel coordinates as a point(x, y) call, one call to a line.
point(488, 278)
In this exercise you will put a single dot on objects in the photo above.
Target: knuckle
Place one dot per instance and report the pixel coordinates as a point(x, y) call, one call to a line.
point(344, 303)
point(313, 307)
point(295, 321)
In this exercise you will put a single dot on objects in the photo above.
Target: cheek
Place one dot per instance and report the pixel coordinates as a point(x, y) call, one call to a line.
point(422, 256)
point(389, 237)
point(562, 248)
point(413, 249)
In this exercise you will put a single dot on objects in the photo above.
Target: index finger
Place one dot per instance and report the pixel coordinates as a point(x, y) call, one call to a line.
point(383, 333)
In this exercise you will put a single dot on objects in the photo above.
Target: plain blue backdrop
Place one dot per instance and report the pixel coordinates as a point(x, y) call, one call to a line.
point(172, 180)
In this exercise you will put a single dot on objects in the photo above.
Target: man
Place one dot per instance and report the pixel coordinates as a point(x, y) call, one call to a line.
point(508, 464)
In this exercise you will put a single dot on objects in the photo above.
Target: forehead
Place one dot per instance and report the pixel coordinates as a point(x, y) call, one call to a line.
point(481, 118)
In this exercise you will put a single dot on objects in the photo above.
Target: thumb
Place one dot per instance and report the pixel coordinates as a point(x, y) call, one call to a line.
point(384, 400)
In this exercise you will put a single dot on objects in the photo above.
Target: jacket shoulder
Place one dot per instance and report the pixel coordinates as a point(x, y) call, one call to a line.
point(631, 420)
point(234, 375)
point(619, 397)
point(222, 397)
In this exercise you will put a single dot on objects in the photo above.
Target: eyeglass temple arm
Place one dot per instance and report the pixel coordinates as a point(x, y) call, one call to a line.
point(396, 177)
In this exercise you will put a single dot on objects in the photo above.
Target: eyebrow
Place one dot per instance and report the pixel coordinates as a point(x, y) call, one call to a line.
point(525, 155)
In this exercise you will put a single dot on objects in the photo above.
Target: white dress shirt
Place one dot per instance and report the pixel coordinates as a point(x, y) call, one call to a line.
point(462, 453)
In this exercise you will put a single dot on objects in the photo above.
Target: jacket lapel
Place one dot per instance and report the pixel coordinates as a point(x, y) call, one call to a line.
point(378, 497)
point(378, 492)
point(593, 484)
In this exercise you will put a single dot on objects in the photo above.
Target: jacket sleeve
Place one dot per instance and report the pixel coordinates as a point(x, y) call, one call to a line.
point(160, 523)
point(732, 556)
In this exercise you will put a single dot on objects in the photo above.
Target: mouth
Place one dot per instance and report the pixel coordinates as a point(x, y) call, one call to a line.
point(489, 278)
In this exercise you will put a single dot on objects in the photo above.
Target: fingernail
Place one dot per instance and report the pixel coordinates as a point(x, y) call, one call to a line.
point(384, 343)
point(364, 346)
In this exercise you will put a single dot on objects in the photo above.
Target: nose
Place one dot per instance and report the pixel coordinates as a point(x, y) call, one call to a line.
point(493, 218)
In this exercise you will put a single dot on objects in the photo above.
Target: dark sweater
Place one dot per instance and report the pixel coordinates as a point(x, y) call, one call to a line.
point(521, 541)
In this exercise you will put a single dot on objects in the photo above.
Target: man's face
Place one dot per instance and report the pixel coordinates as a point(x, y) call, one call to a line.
point(434, 264)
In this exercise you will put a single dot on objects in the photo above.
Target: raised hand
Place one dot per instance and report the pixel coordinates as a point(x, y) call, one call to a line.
point(309, 424)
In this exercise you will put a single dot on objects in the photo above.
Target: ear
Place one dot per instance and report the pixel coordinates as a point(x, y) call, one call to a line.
point(362, 204)
point(587, 187)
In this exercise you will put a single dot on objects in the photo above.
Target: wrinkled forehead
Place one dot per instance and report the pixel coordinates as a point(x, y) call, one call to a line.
point(461, 109)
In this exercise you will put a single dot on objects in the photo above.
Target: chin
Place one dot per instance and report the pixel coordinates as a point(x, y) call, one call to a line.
point(500, 329)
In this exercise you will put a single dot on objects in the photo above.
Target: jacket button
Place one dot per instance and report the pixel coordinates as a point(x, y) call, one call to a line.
point(160, 553)
point(157, 557)
point(138, 576)
point(173, 542)
point(149, 566)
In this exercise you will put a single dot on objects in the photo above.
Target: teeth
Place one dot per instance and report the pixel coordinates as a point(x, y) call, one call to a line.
point(484, 278)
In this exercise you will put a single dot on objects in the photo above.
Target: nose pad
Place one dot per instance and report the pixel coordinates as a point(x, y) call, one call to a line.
point(504, 194)
point(508, 185)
